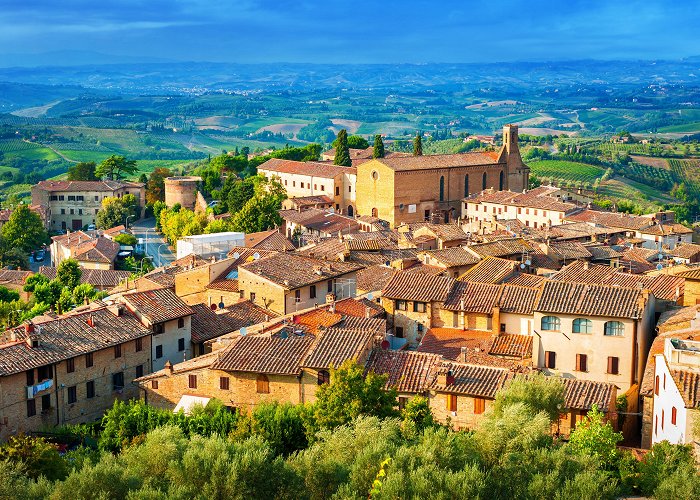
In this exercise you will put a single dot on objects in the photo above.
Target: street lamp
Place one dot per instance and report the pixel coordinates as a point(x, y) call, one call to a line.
point(160, 260)
point(127, 220)
point(146, 249)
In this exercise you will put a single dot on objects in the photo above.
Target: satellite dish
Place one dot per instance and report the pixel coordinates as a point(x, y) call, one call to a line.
point(236, 255)
point(243, 331)
point(522, 266)
point(385, 344)
point(659, 267)
point(256, 255)
point(221, 305)
point(213, 307)
point(661, 256)
point(370, 296)
point(528, 262)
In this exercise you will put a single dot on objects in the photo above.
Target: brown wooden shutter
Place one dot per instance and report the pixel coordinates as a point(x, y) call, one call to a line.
point(581, 362)
point(613, 365)
point(479, 406)
point(193, 381)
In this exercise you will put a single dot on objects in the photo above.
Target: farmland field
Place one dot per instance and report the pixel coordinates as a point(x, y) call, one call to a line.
point(565, 170)
point(651, 161)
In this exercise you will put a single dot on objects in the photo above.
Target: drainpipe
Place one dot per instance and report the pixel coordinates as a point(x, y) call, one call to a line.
point(55, 378)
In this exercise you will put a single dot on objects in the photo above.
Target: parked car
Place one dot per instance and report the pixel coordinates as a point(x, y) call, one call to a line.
point(39, 256)
point(91, 227)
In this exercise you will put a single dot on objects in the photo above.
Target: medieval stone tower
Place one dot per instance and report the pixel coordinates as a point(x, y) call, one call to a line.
point(518, 172)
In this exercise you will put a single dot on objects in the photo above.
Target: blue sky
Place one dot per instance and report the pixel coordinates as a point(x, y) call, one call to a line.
point(379, 31)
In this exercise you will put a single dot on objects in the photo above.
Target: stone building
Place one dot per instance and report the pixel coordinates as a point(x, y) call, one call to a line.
point(91, 252)
point(70, 369)
point(182, 190)
point(419, 188)
point(74, 204)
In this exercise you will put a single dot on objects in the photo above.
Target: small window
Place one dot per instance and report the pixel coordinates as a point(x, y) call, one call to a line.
point(297, 294)
point(158, 328)
point(30, 377)
point(139, 371)
point(180, 345)
point(45, 403)
point(97, 198)
point(72, 395)
point(503, 328)
point(223, 383)
point(583, 325)
point(419, 307)
point(154, 384)
point(324, 377)
point(349, 189)
point(656, 386)
point(312, 292)
point(63, 211)
point(663, 415)
point(551, 323)
point(181, 323)
point(479, 406)
point(330, 286)
point(80, 211)
point(613, 365)
point(118, 351)
point(139, 345)
point(451, 402)
point(302, 184)
point(398, 330)
point(70, 365)
point(118, 381)
point(90, 389)
point(263, 385)
point(159, 351)
point(315, 186)
point(192, 381)
point(337, 191)
point(550, 359)
point(88, 360)
point(673, 415)
point(581, 363)
point(400, 305)
point(252, 296)
point(31, 407)
point(402, 402)
point(614, 329)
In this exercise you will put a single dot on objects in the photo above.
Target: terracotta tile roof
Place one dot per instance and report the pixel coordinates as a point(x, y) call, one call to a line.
point(327, 249)
point(306, 201)
point(207, 325)
point(188, 262)
point(113, 231)
point(377, 326)
point(513, 345)
point(685, 251)
point(603, 252)
point(665, 228)
point(471, 380)
point(501, 248)
point(99, 278)
point(358, 308)
point(569, 250)
point(691, 274)
point(635, 266)
point(673, 318)
point(559, 297)
point(445, 232)
point(688, 383)
point(96, 250)
point(420, 268)
point(374, 278)
point(224, 285)
point(67, 337)
point(71, 239)
point(657, 347)
point(245, 313)
point(407, 371)
point(583, 394)
point(490, 270)
point(415, 286)
point(538, 198)
point(518, 299)
point(524, 279)
point(610, 219)
point(663, 286)
point(448, 342)
point(312, 168)
point(56, 186)
point(438, 161)
point(337, 344)
point(158, 305)
point(473, 297)
point(453, 257)
point(14, 277)
point(268, 240)
point(582, 272)
point(280, 353)
point(294, 271)
point(317, 319)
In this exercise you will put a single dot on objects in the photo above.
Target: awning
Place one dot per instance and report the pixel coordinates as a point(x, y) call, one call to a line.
point(186, 403)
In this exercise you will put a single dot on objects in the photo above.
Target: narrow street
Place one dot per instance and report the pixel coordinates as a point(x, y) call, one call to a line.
point(153, 243)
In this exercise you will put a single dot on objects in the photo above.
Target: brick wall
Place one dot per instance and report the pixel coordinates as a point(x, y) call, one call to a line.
point(464, 417)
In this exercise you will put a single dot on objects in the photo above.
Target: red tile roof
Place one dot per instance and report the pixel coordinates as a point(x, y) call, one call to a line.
point(688, 383)
point(490, 270)
point(518, 346)
point(419, 287)
point(595, 300)
point(407, 371)
point(294, 271)
point(448, 342)
point(55, 186)
point(315, 169)
point(473, 297)
point(438, 161)
point(157, 306)
point(336, 345)
point(471, 380)
point(207, 325)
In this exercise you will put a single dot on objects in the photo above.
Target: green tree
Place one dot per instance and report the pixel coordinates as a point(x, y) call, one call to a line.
point(84, 293)
point(378, 151)
point(596, 438)
point(417, 415)
point(418, 145)
point(69, 273)
point(112, 213)
point(126, 239)
point(83, 171)
point(34, 280)
point(7, 295)
point(155, 187)
point(115, 168)
point(351, 394)
point(261, 212)
point(538, 392)
point(342, 150)
point(39, 457)
point(24, 230)
point(357, 142)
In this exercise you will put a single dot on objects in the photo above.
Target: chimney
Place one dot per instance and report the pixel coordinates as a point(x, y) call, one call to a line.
point(116, 309)
point(168, 367)
point(330, 299)
point(463, 354)
point(91, 321)
point(29, 327)
point(496, 320)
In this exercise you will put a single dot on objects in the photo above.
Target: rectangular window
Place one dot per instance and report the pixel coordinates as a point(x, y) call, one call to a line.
point(180, 345)
point(139, 371)
point(72, 395)
point(181, 323)
point(312, 292)
point(139, 345)
point(154, 384)
point(223, 383)
point(80, 211)
point(88, 360)
point(323, 188)
point(30, 377)
point(118, 381)
point(45, 372)
point(63, 211)
point(419, 307)
point(337, 191)
point(613, 365)
point(158, 328)
point(398, 331)
point(349, 189)
point(479, 406)
point(90, 389)
point(451, 402)
point(71, 197)
point(297, 294)
point(252, 296)
point(550, 359)
point(330, 286)
point(118, 351)
point(159, 351)
point(503, 328)
point(315, 186)
point(45, 403)
point(581, 363)
point(663, 415)
point(400, 305)
point(402, 402)
point(70, 365)
point(31, 407)
point(294, 183)
point(192, 381)
point(97, 198)
point(72, 211)
point(61, 197)
point(302, 184)
point(656, 386)
point(673, 415)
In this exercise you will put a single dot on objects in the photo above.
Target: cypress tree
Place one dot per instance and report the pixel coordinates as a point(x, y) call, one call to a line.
point(418, 145)
point(378, 151)
point(342, 152)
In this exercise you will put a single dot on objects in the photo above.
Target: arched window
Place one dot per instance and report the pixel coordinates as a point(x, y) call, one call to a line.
point(375, 212)
point(614, 329)
point(583, 325)
point(483, 181)
point(466, 185)
point(324, 377)
point(442, 188)
point(263, 384)
point(500, 181)
point(351, 211)
point(551, 323)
